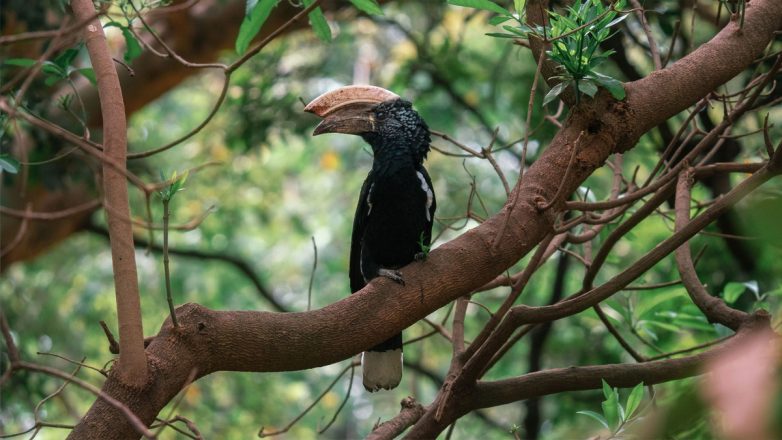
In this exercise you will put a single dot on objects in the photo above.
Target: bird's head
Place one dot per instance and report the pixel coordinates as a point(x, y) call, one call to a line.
point(381, 117)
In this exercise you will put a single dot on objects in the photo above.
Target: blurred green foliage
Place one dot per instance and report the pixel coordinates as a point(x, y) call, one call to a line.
point(276, 187)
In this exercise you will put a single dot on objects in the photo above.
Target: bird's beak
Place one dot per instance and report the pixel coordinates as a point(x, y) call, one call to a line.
point(348, 109)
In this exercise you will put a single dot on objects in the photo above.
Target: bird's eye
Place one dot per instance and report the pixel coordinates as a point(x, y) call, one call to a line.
point(381, 115)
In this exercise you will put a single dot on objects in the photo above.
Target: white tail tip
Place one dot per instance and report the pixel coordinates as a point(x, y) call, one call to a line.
point(382, 369)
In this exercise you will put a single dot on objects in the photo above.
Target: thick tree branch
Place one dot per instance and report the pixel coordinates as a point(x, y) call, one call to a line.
point(211, 341)
point(559, 380)
point(712, 64)
point(132, 364)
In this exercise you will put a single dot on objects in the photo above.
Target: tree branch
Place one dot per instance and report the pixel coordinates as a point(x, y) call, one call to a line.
point(713, 308)
point(132, 363)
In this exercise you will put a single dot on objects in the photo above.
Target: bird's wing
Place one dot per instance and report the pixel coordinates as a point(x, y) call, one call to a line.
point(427, 237)
point(359, 223)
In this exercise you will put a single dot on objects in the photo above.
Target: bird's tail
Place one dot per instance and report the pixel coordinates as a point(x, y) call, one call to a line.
point(382, 365)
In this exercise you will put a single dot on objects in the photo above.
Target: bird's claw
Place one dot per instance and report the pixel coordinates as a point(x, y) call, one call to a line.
point(393, 275)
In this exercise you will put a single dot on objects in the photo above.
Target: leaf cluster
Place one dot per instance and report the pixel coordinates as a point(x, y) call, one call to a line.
point(576, 37)
point(177, 183)
point(57, 70)
point(258, 11)
point(614, 415)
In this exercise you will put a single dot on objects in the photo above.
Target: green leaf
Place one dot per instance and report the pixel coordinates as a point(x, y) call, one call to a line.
point(607, 390)
point(89, 73)
point(486, 5)
point(66, 58)
point(663, 325)
point(634, 399)
point(132, 46)
point(587, 87)
point(554, 93)
point(498, 20)
point(9, 164)
point(501, 35)
point(733, 291)
point(595, 416)
point(49, 68)
point(615, 87)
point(611, 411)
point(319, 24)
point(52, 80)
point(647, 303)
point(253, 21)
point(21, 62)
point(775, 292)
point(369, 6)
point(519, 6)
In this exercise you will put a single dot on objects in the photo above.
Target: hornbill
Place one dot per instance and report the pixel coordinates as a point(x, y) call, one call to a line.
point(393, 221)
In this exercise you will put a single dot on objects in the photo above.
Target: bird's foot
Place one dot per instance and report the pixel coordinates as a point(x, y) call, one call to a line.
point(393, 275)
point(421, 256)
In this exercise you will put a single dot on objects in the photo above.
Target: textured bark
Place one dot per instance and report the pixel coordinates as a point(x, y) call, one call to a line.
point(210, 341)
point(132, 364)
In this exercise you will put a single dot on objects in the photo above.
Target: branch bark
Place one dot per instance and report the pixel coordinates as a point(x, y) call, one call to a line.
point(713, 308)
point(211, 341)
point(132, 365)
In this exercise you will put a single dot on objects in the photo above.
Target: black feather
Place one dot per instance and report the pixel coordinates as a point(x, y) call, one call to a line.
point(395, 214)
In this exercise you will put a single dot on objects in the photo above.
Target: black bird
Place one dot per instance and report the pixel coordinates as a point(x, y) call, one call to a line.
point(393, 222)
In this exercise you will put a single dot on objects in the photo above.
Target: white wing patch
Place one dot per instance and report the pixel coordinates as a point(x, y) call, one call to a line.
point(369, 199)
point(429, 195)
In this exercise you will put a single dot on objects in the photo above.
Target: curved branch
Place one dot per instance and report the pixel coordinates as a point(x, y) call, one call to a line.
point(712, 64)
point(712, 307)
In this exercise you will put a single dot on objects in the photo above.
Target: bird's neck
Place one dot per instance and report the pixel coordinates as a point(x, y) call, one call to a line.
point(392, 154)
point(393, 159)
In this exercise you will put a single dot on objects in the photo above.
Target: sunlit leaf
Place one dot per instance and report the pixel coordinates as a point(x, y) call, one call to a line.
point(253, 21)
point(486, 5)
point(319, 24)
point(371, 7)
point(498, 19)
point(634, 399)
point(733, 291)
point(611, 408)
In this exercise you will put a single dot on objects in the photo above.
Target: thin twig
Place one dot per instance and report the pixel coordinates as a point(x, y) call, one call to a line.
point(166, 268)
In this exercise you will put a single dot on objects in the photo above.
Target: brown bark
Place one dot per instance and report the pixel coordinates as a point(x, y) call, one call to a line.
point(210, 341)
point(132, 364)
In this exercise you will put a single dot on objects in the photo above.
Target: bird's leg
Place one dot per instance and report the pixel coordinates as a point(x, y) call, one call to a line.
point(393, 275)
point(421, 256)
